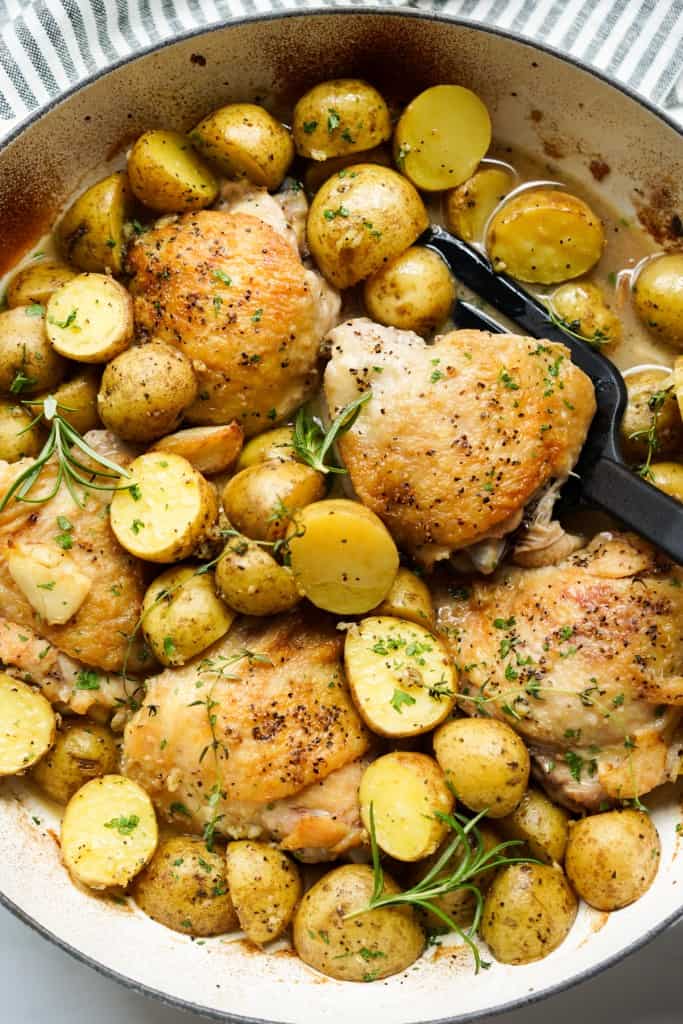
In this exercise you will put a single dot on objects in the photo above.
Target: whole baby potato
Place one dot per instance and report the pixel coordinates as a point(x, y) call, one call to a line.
point(245, 141)
point(468, 207)
point(18, 438)
point(612, 858)
point(528, 912)
point(261, 500)
point(668, 477)
point(414, 292)
point(35, 283)
point(166, 173)
point(345, 115)
point(486, 763)
point(182, 615)
point(372, 945)
point(409, 598)
point(90, 234)
point(273, 444)
point(78, 399)
point(318, 171)
point(540, 823)
point(582, 306)
point(265, 887)
point(360, 219)
point(651, 405)
point(145, 391)
point(658, 297)
point(28, 362)
point(250, 580)
point(82, 750)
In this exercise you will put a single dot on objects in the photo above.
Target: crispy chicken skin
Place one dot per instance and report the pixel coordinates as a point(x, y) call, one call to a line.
point(232, 294)
point(583, 659)
point(458, 435)
point(284, 721)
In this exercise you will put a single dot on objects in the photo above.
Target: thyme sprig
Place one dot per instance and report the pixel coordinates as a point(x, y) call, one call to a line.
point(655, 404)
point(312, 443)
point(596, 340)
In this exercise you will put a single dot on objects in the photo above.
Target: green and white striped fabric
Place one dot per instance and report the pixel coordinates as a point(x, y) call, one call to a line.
point(48, 46)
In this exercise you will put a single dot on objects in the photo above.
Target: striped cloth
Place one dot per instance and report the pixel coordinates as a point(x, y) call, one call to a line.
point(47, 46)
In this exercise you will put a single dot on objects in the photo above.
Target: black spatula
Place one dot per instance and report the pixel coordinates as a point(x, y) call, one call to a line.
point(603, 477)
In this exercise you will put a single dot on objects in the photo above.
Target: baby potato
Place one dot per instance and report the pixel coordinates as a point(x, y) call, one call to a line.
point(82, 750)
point(658, 297)
point(651, 402)
point(409, 598)
point(414, 292)
point(668, 477)
point(360, 219)
point(90, 318)
point(145, 391)
point(261, 500)
point(35, 283)
point(166, 174)
point(582, 306)
point(90, 234)
point(528, 911)
point(486, 763)
point(546, 236)
point(245, 141)
point(27, 726)
point(250, 580)
point(468, 207)
point(345, 115)
point(182, 615)
point(184, 887)
point(441, 136)
point(78, 399)
point(366, 947)
point(18, 438)
point(540, 823)
point(318, 171)
point(402, 793)
point(265, 887)
point(612, 858)
point(273, 444)
point(678, 382)
point(109, 832)
point(342, 556)
point(210, 449)
point(28, 362)
point(400, 676)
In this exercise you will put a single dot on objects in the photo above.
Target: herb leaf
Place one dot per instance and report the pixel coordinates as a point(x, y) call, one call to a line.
point(311, 443)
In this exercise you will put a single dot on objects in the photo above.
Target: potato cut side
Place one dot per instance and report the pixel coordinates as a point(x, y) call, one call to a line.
point(406, 791)
point(209, 449)
point(90, 318)
point(27, 726)
point(441, 137)
point(409, 598)
point(400, 676)
point(342, 556)
point(109, 832)
point(166, 510)
point(49, 580)
point(265, 888)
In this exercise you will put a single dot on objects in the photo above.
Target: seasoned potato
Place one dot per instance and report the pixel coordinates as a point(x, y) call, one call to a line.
point(678, 382)
point(668, 477)
point(528, 912)
point(90, 234)
point(209, 449)
point(583, 307)
point(90, 318)
point(400, 676)
point(342, 556)
point(245, 141)
point(360, 219)
point(441, 136)
point(414, 292)
point(28, 362)
point(184, 887)
point(486, 763)
point(540, 823)
point(83, 750)
point(468, 207)
point(145, 391)
point(261, 500)
point(370, 946)
point(49, 579)
point(109, 832)
point(77, 398)
point(265, 887)
point(651, 403)
point(250, 580)
point(274, 444)
point(18, 438)
point(182, 615)
point(658, 297)
point(404, 792)
point(27, 726)
point(544, 235)
point(318, 171)
point(166, 174)
point(167, 509)
point(345, 115)
point(612, 858)
point(409, 598)
point(35, 283)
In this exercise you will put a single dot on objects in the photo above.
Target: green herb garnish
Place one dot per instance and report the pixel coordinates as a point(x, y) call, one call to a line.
point(311, 443)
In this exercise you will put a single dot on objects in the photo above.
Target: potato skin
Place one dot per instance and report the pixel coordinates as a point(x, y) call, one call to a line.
point(485, 761)
point(250, 580)
point(540, 823)
point(668, 477)
point(582, 305)
point(18, 439)
point(371, 946)
point(78, 396)
point(145, 391)
point(265, 886)
point(641, 388)
point(612, 858)
point(273, 444)
point(528, 912)
point(167, 175)
point(360, 219)
point(182, 615)
point(25, 351)
point(35, 283)
point(185, 888)
point(245, 141)
point(93, 221)
point(468, 207)
point(261, 500)
point(318, 171)
point(658, 297)
point(82, 750)
point(344, 115)
point(210, 449)
point(409, 598)
point(414, 292)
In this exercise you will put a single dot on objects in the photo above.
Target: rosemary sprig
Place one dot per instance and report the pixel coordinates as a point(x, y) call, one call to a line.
point(311, 443)
point(655, 404)
point(597, 339)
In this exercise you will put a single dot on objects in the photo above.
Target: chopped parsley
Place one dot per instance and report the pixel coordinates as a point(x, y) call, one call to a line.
point(220, 275)
point(333, 120)
point(124, 826)
point(87, 680)
point(256, 318)
point(310, 127)
point(169, 646)
point(136, 526)
point(135, 491)
point(400, 698)
point(69, 322)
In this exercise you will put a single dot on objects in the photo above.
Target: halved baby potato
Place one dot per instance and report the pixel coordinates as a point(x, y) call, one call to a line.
point(27, 726)
point(35, 283)
point(261, 500)
point(90, 318)
point(678, 382)
point(469, 206)
point(668, 477)
point(109, 832)
point(165, 511)
point(409, 598)
point(209, 449)
point(265, 887)
point(245, 141)
point(400, 676)
point(166, 173)
point(182, 615)
point(90, 234)
point(344, 115)
point(49, 579)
